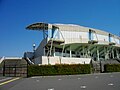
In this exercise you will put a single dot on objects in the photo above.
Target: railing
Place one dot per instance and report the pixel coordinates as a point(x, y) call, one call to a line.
point(30, 62)
point(2, 59)
point(12, 57)
point(76, 40)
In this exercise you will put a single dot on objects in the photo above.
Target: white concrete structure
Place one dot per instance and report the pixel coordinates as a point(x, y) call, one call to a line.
point(11, 58)
point(73, 44)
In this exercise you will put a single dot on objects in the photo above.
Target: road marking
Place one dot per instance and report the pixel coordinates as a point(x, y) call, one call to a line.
point(9, 81)
point(33, 77)
point(59, 79)
point(110, 84)
point(37, 80)
point(96, 77)
point(79, 78)
point(111, 75)
point(83, 87)
point(51, 89)
point(5, 79)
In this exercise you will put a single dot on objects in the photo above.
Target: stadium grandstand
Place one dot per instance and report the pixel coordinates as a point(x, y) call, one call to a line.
point(73, 44)
point(66, 44)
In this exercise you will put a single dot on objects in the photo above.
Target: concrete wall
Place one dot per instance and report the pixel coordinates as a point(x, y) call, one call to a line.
point(67, 60)
point(40, 50)
point(50, 60)
point(38, 60)
point(80, 36)
point(75, 37)
point(44, 60)
point(76, 34)
point(102, 38)
point(83, 37)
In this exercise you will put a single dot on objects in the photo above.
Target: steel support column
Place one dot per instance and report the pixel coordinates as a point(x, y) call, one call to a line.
point(70, 52)
point(83, 51)
point(98, 54)
point(54, 51)
point(113, 56)
point(106, 53)
point(117, 53)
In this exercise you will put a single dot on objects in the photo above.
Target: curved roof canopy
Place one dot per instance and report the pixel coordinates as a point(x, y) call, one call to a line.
point(40, 26)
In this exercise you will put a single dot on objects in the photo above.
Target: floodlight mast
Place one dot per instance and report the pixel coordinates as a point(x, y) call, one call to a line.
point(34, 47)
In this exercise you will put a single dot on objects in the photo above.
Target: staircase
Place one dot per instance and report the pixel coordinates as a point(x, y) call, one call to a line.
point(95, 66)
point(118, 59)
point(98, 66)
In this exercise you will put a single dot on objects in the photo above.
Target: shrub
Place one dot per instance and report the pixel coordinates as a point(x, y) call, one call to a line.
point(64, 69)
point(112, 68)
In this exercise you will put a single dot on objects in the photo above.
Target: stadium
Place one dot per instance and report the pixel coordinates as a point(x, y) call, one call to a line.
point(73, 44)
point(66, 44)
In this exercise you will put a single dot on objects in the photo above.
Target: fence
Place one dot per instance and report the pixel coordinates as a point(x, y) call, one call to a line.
point(13, 70)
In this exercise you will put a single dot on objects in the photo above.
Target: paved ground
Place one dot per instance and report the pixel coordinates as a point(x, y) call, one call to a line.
point(74, 82)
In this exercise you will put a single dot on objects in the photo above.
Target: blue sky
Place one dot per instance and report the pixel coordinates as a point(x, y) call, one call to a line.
point(15, 15)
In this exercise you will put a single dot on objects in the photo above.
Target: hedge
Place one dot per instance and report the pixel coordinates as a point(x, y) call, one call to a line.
point(44, 70)
point(112, 68)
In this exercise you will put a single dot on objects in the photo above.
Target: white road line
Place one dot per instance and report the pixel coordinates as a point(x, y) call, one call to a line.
point(96, 76)
point(110, 84)
point(37, 80)
point(111, 75)
point(36, 77)
point(59, 79)
point(83, 86)
point(79, 78)
point(33, 77)
point(51, 89)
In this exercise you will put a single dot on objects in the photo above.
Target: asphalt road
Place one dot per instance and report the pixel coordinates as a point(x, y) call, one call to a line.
point(109, 81)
